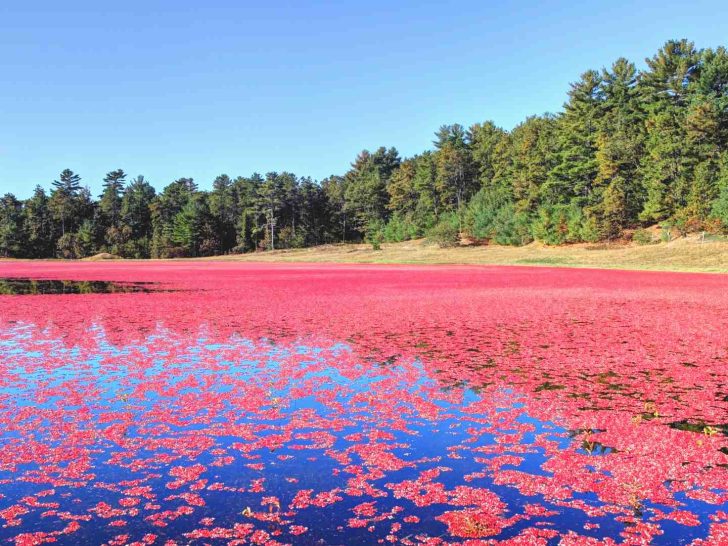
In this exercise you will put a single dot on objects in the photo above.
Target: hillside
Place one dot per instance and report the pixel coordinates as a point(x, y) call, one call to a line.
point(685, 254)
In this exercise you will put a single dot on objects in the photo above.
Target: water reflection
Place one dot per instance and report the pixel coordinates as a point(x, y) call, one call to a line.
point(194, 438)
point(24, 287)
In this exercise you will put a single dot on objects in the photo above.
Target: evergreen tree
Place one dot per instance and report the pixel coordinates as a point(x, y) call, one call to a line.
point(110, 201)
point(620, 144)
point(487, 149)
point(192, 228)
point(429, 204)
point(248, 221)
point(164, 209)
point(136, 218)
point(629, 148)
point(13, 240)
point(334, 188)
point(109, 212)
point(222, 209)
point(38, 225)
point(574, 175)
point(269, 201)
point(86, 239)
point(66, 189)
point(456, 178)
point(667, 164)
point(365, 187)
point(316, 226)
point(403, 195)
point(532, 145)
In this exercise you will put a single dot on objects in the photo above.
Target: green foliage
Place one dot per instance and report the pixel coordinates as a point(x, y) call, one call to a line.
point(136, 231)
point(492, 215)
point(630, 148)
point(482, 212)
point(446, 233)
point(489, 145)
point(574, 174)
point(375, 234)
point(12, 232)
point(38, 226)
point(365, 187)
point(68, 247)
point(287, 238)
point(401, 228)
point(720, 208)
point(643, 237)
point(86, 239)
point(223, 211)
point(666, 231)
point(188, 227)
point(110, 201)
point(65, 199)
point(164, 210)
point(455, 178)
point(533, 143)
point(666, 169)
point(559, 224)
point(620, 146)
point(613, 209)
point(589, 230)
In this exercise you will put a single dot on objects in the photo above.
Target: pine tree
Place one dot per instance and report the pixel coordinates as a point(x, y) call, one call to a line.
point(222, 209)
point(136, 218)
point(574, 175)
point(401, 188)
point(191, 228)
point(269, 201)
point(38, 224)
point(164, 209)
point(486, 147)
point(110, 201)
point(13, 240)
point(248, 220)
point(334, 188)
point(620, 144)
point(667, 164)
point(614, 212)
point(719, 207)
point(365, 187)
point(532, 145)
point(456, 178)
point(66, 189)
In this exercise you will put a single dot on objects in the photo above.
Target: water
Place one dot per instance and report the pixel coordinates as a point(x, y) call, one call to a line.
point(98, 421)
point(218, 414)
point(23, 286)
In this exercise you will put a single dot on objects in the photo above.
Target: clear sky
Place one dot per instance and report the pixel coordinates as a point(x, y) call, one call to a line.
point(199, 88)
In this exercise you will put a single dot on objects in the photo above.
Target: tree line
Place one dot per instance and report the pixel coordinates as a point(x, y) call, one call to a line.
point(631, 148)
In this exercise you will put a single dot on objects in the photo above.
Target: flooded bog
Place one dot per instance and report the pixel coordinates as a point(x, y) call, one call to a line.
point(344, 405)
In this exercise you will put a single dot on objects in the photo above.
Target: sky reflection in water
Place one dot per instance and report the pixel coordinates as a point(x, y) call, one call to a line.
point(249, 425)
point(273, 405)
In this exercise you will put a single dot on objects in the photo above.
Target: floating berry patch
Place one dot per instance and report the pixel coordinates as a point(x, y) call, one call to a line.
point(269, 405)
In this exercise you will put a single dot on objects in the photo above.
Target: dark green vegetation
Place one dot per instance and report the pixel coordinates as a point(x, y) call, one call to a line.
point(22, 287)
point(630, 149)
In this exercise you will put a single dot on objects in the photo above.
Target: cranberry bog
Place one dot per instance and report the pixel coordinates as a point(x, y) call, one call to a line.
point(222, 403)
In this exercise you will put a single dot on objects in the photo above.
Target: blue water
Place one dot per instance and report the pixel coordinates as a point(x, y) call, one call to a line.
point(111, 378)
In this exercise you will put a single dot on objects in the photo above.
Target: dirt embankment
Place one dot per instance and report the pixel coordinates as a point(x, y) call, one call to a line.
point(684, 254)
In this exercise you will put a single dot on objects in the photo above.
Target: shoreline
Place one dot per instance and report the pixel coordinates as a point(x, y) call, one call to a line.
point(681, 255)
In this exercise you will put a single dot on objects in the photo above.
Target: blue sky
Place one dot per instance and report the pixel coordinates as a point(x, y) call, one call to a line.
point(182, 88)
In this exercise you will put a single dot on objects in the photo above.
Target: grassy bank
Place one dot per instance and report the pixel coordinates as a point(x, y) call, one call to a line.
point(687, 254)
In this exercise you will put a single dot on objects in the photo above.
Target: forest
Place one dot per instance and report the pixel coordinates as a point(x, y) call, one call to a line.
point(630, 149)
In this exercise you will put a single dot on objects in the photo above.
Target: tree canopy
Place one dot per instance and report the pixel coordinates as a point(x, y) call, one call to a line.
point(630, 148)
